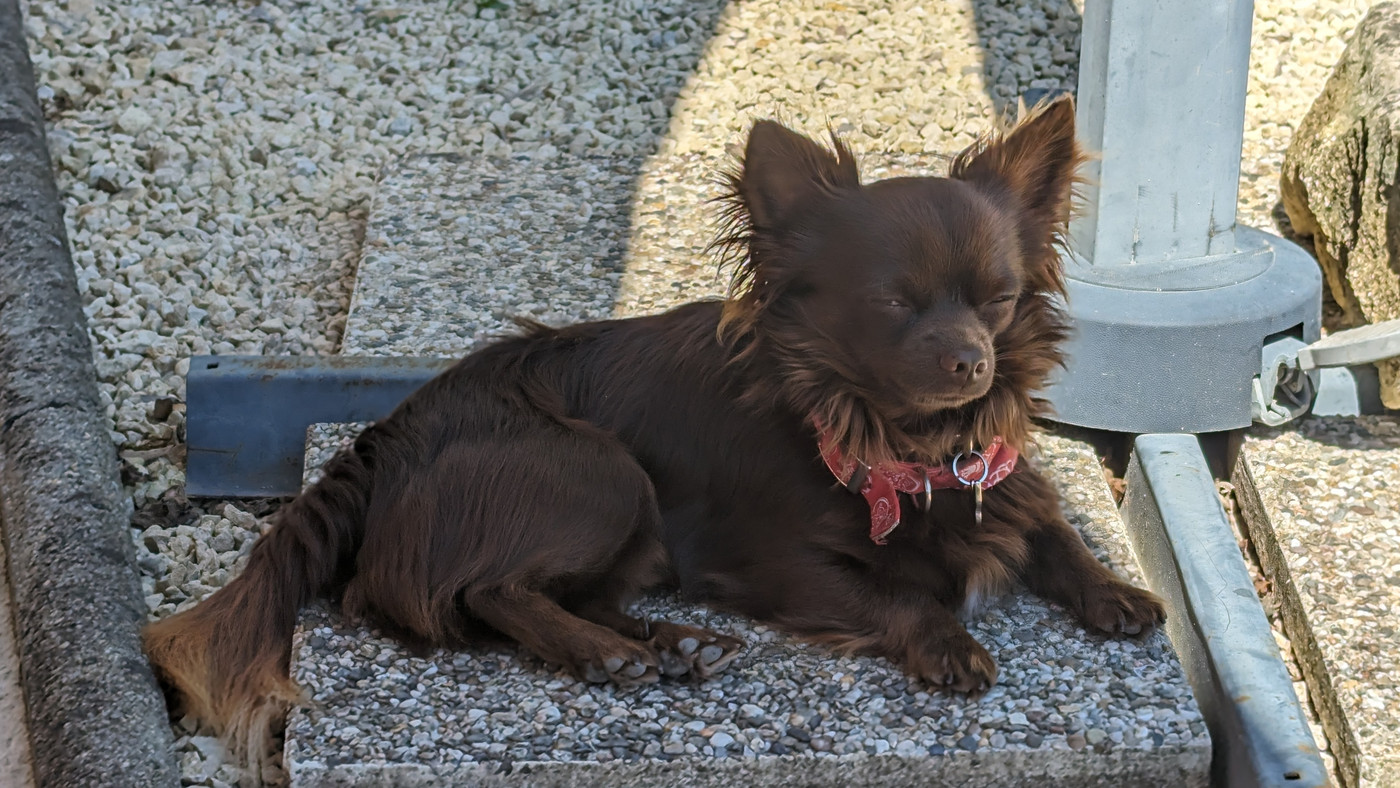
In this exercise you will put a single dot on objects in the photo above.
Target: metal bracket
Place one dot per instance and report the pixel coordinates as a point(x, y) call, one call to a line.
point(1281, 392)
point(1360, 345)
point(1330, 377)
point(246, 416)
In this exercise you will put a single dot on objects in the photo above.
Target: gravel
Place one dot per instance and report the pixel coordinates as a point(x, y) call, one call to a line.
point(216, 161)
point(1293, 48)
point(568, 214)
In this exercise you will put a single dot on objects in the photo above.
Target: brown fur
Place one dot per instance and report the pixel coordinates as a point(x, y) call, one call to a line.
point(543, 482)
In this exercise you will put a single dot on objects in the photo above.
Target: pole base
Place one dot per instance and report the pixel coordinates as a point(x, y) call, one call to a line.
point(1148, 359)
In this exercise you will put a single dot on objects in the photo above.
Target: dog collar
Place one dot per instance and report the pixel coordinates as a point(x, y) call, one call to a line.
point(881, 483)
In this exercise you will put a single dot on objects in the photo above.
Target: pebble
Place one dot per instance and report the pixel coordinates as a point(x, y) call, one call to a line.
point(134, 121)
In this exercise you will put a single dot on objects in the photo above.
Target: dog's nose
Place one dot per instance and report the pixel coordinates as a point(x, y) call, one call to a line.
point(965, 366)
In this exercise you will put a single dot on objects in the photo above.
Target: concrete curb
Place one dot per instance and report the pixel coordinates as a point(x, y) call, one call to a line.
point(96, 716)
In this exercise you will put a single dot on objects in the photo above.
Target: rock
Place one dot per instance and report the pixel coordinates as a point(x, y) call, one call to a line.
point(165, 177)
point(134, 120)
point(166, 61)
point(191, 75)
point(1339, 178)
point(209, 748)
point(386, 15)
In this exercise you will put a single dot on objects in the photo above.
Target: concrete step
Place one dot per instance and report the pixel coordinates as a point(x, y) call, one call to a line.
point(1321, 502)
point(452, 249)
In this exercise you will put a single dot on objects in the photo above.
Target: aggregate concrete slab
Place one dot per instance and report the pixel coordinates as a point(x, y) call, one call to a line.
point(455, 249)
point(1069, 709)
point(448, 256)
point(1321, 501)
point(453, 254)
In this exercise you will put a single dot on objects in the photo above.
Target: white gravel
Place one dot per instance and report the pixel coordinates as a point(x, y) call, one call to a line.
point(1294, 44)
point(215, 160)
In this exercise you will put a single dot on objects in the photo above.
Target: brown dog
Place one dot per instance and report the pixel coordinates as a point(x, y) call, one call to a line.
point(757, 452)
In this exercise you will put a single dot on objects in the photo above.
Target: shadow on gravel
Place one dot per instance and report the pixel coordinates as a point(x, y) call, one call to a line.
point(542, 226)
point(1026, 46)
point(669, 38)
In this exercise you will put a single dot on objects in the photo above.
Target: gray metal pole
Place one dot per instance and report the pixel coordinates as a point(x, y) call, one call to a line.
point(1177, 309)
point(1162, 90)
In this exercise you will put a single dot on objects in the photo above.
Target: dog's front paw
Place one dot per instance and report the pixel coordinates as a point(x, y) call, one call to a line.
point(624, 663)
point(955, 661)
point(1121, 609)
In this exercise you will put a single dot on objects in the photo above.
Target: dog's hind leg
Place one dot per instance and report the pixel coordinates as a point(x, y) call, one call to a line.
point(591, 651)
point(517, 529)
point(593, 637)
point(697, 651)
point(680, 649)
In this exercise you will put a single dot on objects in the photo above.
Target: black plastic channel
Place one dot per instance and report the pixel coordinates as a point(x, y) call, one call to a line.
point(1183, 540)
point(246, 416)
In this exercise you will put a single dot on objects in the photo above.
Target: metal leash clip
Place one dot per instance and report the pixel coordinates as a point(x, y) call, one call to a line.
point(924, 500)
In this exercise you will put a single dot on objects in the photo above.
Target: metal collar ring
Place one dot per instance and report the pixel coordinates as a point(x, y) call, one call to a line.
point(986, 468)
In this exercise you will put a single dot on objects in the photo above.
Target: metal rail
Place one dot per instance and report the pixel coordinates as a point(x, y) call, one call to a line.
point(1184, 542)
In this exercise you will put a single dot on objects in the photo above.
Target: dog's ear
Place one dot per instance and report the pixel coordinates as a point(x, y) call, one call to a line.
point(782, 170)
point(1034, 167)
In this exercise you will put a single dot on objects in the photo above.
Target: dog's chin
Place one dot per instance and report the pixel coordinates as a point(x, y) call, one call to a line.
point(930, 406)
point(931, 403)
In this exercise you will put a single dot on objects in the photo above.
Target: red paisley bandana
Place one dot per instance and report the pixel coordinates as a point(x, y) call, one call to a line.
point(884, 481)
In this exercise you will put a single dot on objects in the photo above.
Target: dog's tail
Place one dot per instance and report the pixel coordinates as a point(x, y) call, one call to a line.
point(226, 660)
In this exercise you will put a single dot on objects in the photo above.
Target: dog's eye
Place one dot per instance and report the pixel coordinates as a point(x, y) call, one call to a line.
point(894, 304)
point(1006, 299)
